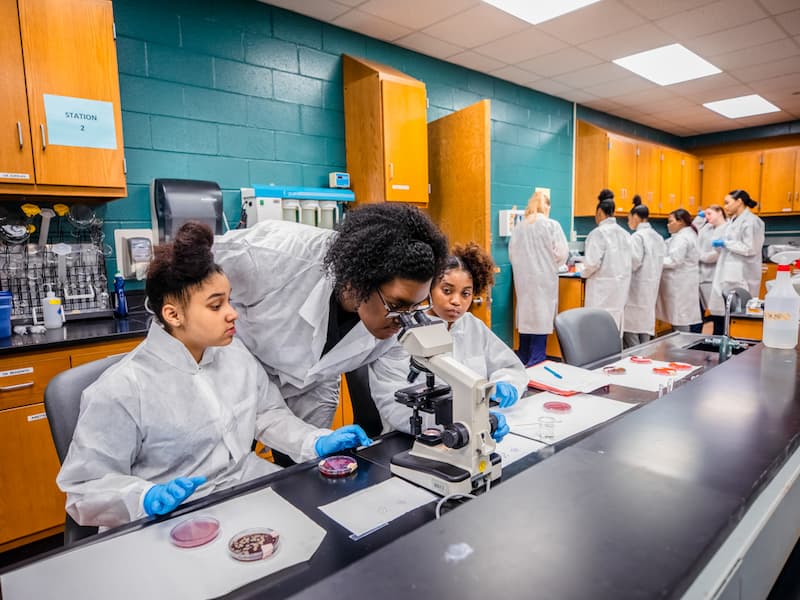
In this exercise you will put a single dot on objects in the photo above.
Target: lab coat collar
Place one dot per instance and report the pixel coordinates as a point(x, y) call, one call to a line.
point(644, 225)
point(610, 221)
point(171, 350)
point(315, 309)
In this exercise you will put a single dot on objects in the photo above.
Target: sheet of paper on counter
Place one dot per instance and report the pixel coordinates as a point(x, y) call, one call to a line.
point(564, 379)
point(587, 411)
point(641, 376)
point(367, 510)
point(513, 447)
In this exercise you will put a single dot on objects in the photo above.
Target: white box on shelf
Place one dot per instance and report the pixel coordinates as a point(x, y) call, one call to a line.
point(508, 219)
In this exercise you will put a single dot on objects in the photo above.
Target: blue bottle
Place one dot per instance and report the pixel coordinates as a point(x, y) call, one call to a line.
point(119, 292)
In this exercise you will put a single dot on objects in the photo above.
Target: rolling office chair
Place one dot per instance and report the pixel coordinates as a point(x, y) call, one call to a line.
point(586, 335)
point(62, 403)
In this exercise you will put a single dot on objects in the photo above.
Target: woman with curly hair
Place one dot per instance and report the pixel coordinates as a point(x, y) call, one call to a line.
point(182, 409)
point(314, 304)
point(468, 272)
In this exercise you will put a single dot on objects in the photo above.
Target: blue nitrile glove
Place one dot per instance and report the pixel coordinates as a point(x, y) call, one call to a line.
point(163, 498)
point(502, 427)
point(718, 243)
point(701, 214)
point(348, 436)
point(505, 393)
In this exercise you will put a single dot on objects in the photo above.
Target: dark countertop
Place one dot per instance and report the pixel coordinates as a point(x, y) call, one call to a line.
point(74, 333)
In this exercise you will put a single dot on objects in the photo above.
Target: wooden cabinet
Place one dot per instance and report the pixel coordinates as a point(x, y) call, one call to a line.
point(690, 183)
point(386, 137)
point(680, 182)
point(571, 292)
point(780, 184)
point(60, 119)
point(726, 172)
point(32, 506)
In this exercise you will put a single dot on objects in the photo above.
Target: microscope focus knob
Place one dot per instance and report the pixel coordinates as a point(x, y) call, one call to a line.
point(455, 435)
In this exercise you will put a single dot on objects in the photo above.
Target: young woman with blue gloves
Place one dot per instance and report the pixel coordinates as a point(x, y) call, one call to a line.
point(178, 415)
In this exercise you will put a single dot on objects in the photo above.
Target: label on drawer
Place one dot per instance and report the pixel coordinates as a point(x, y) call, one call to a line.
point(37, 417)
point(398, 186)
point(12, 372)
point(15, 176)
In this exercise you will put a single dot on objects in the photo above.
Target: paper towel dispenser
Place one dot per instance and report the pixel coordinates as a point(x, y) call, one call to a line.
point(173, 202)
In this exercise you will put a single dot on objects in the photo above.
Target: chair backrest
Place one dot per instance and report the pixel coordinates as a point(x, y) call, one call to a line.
point(62, 403)
point(586, 335)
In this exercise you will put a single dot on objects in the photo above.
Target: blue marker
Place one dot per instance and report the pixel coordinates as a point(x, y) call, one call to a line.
point(552, 372)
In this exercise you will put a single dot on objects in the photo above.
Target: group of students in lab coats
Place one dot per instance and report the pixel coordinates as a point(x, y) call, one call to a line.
point(250, 336)
point(637, 277)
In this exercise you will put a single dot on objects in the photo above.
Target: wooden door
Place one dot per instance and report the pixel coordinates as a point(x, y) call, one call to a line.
point(648, 176)
point(622, 171)
point(591, 167)
point(671, 181)
point(16, 156)
point(31, 501)
point(746, 174)
point(70, 56)
point(404, 134)
point(778, 183)
point(460, 201)
point(690, 183)
point(716, 179)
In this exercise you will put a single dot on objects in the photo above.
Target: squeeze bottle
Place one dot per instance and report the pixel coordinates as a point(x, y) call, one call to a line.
point(781, 311)
point(121, 309)
point(52, 311)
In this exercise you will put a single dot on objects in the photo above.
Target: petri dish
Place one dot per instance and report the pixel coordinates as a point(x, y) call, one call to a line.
point(679, 366)
point(557, 406)
point(612, 370)
point(254, 544)
point(195, 532)
point(641, 360)
point(663, 370)
point(337, 466)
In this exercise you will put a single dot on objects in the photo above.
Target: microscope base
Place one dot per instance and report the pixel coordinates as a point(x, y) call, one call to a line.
point(441, 477)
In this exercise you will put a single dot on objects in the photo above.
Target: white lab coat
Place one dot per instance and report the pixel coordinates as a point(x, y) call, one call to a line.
point(739, 262)
point(678, 296)
point(647, 260)
point(708, 257)
point(607, 269)
point(536, 250)
point(157, 414)
point(474, 345)
point(281, 291)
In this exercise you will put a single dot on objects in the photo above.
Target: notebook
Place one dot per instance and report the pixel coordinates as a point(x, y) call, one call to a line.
point(564, 379)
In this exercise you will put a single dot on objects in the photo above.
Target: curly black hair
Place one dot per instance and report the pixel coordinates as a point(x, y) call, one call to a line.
point(181, 266)
point(381, 242)
point(474, 260)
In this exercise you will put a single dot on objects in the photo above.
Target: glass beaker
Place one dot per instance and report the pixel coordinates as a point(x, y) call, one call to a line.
point(547, 428)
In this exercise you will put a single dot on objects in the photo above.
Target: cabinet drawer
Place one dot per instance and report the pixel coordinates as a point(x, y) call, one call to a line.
point(100, 351)
point(24, 378)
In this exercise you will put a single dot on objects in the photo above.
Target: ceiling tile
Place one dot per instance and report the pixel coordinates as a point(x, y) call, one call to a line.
point(415, 14)
point(643, 97)
point(591, 22)
point(790, 22)
point(632, 41)
point(520, 46)
point(367, 24)
point(784, 83)
point(755, 56)
point(696, 86)
point(602, 73)
point(658, 9)
point(718, 93)
point(515, 75)
point(427, 45)
point(667, 102)
point(633, 83)
point(776, 117)
point(777, 7)
point(737, 38)
point(548, 86)
point(786, 66)
point(324, 10)
point(605, 105)
point(720, 15)
point(562, 61)
point(351, 3)
point(475, 61)
point(476, 26)
point(578, 96)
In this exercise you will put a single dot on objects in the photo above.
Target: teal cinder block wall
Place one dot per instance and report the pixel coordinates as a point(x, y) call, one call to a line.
point(243, 93)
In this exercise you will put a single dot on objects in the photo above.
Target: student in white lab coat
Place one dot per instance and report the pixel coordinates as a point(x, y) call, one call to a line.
point(739, 263)
point(537, 249)
point(182, 409)
point(678, 296)
point(314, 304)
point(607, 261)
point(647, 260)
point(714, 228)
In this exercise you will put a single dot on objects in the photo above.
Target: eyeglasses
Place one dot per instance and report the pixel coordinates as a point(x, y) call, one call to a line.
point(393, 313)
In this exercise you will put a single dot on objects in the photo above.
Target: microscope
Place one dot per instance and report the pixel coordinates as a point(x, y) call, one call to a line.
point(459, 457)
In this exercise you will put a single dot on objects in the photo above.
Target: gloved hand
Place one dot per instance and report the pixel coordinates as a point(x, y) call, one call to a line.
point(505, 393)
point(718, 243)
point(701, 214)
point(348, 436)
point(163, 498)
point(502, 427)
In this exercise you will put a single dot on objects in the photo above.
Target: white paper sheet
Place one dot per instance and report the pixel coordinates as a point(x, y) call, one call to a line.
point(561, 378)
point(145, 564)
point(587, 411)
point(370, 509)
point(513, 447)
point(641, 376)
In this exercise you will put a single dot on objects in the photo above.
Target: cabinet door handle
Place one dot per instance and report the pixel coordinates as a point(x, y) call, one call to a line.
point(391, 171)
point(477, 300)
point(19, 386)
point(44, 141)
point(19, 133)
point(789, 197)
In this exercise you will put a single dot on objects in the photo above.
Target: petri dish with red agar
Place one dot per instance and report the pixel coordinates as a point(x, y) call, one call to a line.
point(254, 544)
point(641, 360)
point(195, 532)
point(614, 370)
point(679, 366)
point(337, 466)
point(557, 406)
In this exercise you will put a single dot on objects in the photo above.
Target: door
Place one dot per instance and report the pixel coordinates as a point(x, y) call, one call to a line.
point(404, 137)
point(671, 171)
point(690, 183)
point(460, 201)
point(648, 176)
point(16, 157)
point(778, 188)
point(746, 174)
point(70, 56)
point(622, 171)
point(716, 179)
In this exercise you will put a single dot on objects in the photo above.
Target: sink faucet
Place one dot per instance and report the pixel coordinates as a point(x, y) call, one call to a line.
point(726, 344)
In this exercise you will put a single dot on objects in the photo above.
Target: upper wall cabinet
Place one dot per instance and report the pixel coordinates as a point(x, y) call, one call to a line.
point(780, 183)
point(386, 135)
point(60, 119)
point(723, 173)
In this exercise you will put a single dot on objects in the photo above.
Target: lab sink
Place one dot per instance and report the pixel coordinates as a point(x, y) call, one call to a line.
point(712, 345)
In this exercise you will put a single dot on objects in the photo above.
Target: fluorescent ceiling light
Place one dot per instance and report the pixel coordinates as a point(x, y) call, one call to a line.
point(668, 65)
point(743, 106)
point(539, 11)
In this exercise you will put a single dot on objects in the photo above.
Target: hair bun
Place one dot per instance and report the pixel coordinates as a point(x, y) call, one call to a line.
point(605, 194)
point(637, 200)
point(192, 249)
